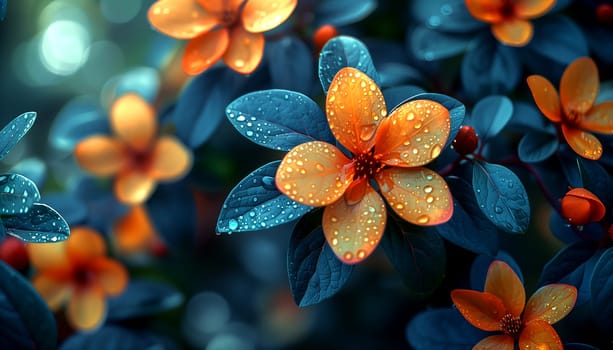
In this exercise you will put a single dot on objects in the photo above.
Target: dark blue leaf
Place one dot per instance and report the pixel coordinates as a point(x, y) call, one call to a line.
point(13, 333)
point(291, 64)
point(417, 254)
point(537, 146)
point(568, 233)
point(557, 39)
point(32, 168)
point(442, 329)
point(78, 119)
point(256, 203)
point(279, 119)
point(72, 209)
point(315, 273)
point(344, 51)
point(17, 194)
point(430, 45)
point(490, 115)
point(501, 196)
point(598, 37)
point(602, 292)
point(115, 338)
point(568, 160)
point(527, 117)
point(14, 131)
point(481, 264)
point(337, 13)
point(445, 15)
point(597, 180)
point(578, 346)
point(143, 298)
point(144, 81)
point(396, 95)
point(40, 224)
point(2, 9)
point(169, 202)
point(457, 111)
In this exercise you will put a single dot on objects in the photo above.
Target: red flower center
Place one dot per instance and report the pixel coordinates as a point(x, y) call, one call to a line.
point(366, 165)
point(82, 276)
point(508, 9)
point(141, 160)
point(572, 118)
point(511, 325)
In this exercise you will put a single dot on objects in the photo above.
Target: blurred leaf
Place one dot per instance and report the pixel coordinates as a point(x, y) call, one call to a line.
point(14, 131)
point(395, 74)
point(527, 117)
point(315, 273)
point(490, 115)
point(279, 119)
point(602, 292)
point(450, 16)
point(40, 224)
point(536, 146)
point(32, 168)
point(430, 45)
point(2, 9)
point(256, 203)
point(442, 329)
point(457, 111)
point(143, 298)
point(501, 196)
point(17, 194)
point(596, 179)
point(337, 13)
point(78, 119)
point(481, 264)
point(558, 39)
point(172, 211)
point(72, 209)
point(291, 64)
point(568, 233)
point(115, 338)
point(394, 96)
point(144, 81)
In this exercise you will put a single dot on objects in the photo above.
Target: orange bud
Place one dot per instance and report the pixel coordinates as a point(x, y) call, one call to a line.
point(580, 207)
point(322, 35)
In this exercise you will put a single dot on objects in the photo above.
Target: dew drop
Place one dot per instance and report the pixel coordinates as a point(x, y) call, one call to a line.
point(399, 206)
point(334, 241)
point(239, 63)
point(498, 210)
point(367, 132)
point(348, 256)
point(362, 254)
point(423, 219)
point(240, 118)
point(436, 151)
point(232, 224)
point(319, 167)
point(428, 189)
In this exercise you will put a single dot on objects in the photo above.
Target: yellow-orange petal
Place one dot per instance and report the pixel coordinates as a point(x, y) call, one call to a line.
point(496, 342)
point(133, 187)
point(101, 155)
point(546, 97)
point(355, 107)
point(489, 11)
point(599, 118)
point(84, 244)
point(134, 121)
point(110, 275)
point(353, 229)
point(582, 142)
point(203, 51)
point(413, 135)
point(263, 15)
point(481, 309)
point(55, 292)
point(314, 173)
point(550, 303)
point(579, 86)
point(419, 195)
point(539, 335)
point(134, 231)
point(87, 308)
point(503, 282)
point(529, 9)
point(513, 32)
point(170, 159)
point(245, 50)
point(48, 256)
point(180, 19)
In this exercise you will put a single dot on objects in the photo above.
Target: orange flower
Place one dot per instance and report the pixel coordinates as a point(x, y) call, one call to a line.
point(137, 158)
point(574, 109)
point(501, 308)
point(227, 29)
point(510, 18)
point(389, 150)
point(580, 206)
point(134, 232)
point(77, 272)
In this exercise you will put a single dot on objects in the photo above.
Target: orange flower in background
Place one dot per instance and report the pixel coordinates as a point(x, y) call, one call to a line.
point(580, 206)
point(231, 30)
point(389, 150)
point(78, 273)
point(510, 19)
point(574, 109)
point(135, 155)
point(134, 232)
point(500, 308)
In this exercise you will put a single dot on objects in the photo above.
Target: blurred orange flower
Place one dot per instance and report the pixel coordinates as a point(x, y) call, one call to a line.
point(500, 308)
point(77, 272)
point(574, 109)
point(231, 30)
point(134, 232)
point(135, 154)
point(510, 19)
point(389, 150)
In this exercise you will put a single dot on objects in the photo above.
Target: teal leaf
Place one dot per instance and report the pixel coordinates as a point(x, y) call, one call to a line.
point(143, 298)
point(490, 115)
point(431, 45)
point(33, 168)
point(14, 131)
point(536, 146)
point(2, 9)
point(41, 224)
point(17, 194)
point(291, 64)
point(78, 119)
point(597, 180)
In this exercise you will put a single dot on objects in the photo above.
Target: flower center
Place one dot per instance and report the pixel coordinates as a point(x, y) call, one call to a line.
point(573, 118)
point(366, 165)
point(508, 9)
point(141, 160)
point(228, 17)
point(82, 276)
point(511, 325)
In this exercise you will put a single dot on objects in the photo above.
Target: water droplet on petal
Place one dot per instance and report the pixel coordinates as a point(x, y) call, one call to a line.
point(367, 132)
point(436, 151)
point(423, 219)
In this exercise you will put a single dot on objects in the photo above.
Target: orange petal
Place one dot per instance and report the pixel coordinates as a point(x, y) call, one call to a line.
point(353, 229)
point(171, 159)
point(546, 97)
point(489, 11)
point(419, 195)
point(245, 50)
point(48, 256)
point(134, 121)
point(221, 7)
point(582, 142)
point(87, 308)
point(481, 309)
point(550, 303)
point(111, 275)
point(539, 335)
point(599, 118)
point(579, 86)
point(263, 15)
point(84, 244)
point(503, 282)
point(529, 9)
point(180, 19)
point(133, 187)
point(204, 50)
point(580, 206)
point(314, 173)
point(134, 231)
point(413, 135)
point(101, 155)
point(496, 342)
point(355, 107)
point(513, 32)
point(55, 292)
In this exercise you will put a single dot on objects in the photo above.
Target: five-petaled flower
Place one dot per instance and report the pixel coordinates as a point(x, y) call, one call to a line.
point(228, 29)
point(574, 109)
point(137, 157)
point(500, 308)
point(391, 151)
point(510, 19)
point(77, 272)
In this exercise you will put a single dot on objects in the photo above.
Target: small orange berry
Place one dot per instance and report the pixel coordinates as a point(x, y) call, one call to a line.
point(322, 35)
point(580, 207)
point(466, 141)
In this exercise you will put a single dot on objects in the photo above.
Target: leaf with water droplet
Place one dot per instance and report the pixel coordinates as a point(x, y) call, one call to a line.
point(17, 194)
point(41, 224)
point(14, 131)
point(602, 292)
point(456, 109)
point(490, 115)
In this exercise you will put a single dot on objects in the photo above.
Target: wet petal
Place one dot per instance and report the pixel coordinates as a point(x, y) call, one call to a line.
point(529, 9)
point(503, 282)
point(203, 51)
point(419, 195)
point(355, 107)
point(134, 231)
point(219, 7)
point(101, 155)
point(110, 275)
point(482, 310)
point(55, 292)
point(180, 19)
point(513, 32)
point(245, 50)
point(496, 342)
point(171, 159)
point(48, 256)
point(579, 86)
point(582, 142)
point(413, 135)
point(353, 229)
point(314, 173)
point(599, 118)
point(550, 303)
point(87, 308)
point(486, 10)
point(263, 15)
point(539, 335)
point(84, 244)
point(133, 187)
point(134, 121)
point(546, 97)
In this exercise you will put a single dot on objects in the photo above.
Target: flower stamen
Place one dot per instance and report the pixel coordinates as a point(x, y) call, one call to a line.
point(366, 165)
point(511, 325)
